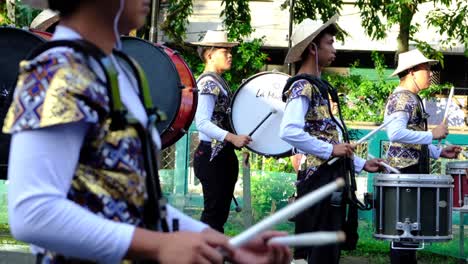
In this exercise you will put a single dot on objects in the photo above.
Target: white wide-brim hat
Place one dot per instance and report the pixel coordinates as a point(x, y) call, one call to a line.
point(44, 20)
point(214, 38)
point(410, 59)
point(39, 4)
point(303, 35)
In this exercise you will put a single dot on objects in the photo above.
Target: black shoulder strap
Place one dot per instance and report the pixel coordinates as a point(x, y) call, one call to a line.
point(303, 76)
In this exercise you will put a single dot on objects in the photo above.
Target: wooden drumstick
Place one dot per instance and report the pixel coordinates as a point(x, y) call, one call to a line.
point(309, 239)
point(272, 111)
point(287, 212)
point(447, 106)
point(390, 168)
point(370, 134)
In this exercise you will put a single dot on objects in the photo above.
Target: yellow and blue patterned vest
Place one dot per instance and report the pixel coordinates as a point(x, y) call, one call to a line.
point(58, 89)
point(402, 155)
point(319, 120)
point(209, 83)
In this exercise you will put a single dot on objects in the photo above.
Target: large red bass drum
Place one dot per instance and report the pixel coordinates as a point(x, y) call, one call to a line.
point(173, 88)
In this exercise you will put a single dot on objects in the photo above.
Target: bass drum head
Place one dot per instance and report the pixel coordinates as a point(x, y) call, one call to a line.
point(252, 102)
point(15, 45)
point(163, 79)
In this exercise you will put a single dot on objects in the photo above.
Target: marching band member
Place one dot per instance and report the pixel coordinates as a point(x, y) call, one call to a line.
point(410, 147)
point(310, 126)
point(77, 184)
point(215, 162)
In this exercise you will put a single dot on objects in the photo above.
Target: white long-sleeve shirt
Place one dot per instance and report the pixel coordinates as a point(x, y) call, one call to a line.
point(206, 104)
point(292, 131)
point(41, 168)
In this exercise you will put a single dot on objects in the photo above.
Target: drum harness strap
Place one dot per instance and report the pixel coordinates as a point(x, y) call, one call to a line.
point(155, 208)
point(326, 89)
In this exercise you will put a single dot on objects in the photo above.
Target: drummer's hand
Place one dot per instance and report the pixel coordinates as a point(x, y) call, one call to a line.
point(257, 251)
point(440, 131)
point(238, 140)
point(199, 247)
point(451, 152)
point(343, 150)
point(374, 165)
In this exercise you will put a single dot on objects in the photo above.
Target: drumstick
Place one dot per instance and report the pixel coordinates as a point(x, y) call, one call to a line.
point(287, 212)
point(390, 168)
point(272, 111)
point(370, 134)
point(309, 239)
point(447, 106)
point(449, 103)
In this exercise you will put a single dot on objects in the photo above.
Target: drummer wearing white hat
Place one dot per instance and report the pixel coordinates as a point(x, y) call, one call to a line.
point(310, 126)
point(215, 162)
point(410, 142)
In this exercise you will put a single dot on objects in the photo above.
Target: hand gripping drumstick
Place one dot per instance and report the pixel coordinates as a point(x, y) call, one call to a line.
point(463, 151)
point(272, 111)
point(390, 168)
point(309, 239)
point(366, 137)
point(287, 212)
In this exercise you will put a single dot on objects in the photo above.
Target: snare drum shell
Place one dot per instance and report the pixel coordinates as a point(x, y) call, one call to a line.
point(419, 198)
point(459, 171)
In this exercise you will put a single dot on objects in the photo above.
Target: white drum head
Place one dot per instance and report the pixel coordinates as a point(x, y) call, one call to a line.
point(253, 101)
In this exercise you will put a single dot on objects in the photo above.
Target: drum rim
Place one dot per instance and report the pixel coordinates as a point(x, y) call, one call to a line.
point(244, 82)
point(28, 32)
point(456, 165)
point(386, 178)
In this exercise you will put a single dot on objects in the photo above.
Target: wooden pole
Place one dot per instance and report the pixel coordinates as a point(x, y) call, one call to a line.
point(246, 192)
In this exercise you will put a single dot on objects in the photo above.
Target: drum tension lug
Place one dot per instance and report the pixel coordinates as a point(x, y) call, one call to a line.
point(407, 227)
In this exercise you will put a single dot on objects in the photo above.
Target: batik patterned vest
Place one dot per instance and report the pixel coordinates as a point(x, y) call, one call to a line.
point(402, 155)
point(211, 83)
point(109, 180)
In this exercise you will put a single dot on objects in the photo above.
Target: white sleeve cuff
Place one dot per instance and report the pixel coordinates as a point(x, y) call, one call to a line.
point(359, 164)
point(186, 223)
point(434, 151)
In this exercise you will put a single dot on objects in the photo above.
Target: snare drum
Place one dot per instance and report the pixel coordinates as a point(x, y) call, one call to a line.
point(413, 207)
point(459, 171)
point(257, 106)
point(15, 45)
point(173, 88)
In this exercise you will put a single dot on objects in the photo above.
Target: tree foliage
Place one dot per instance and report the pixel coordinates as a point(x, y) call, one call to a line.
point(247, 56)
point(378, 16)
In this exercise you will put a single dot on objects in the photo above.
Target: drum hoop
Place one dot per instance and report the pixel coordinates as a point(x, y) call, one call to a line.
point(280, 155)
point(410, 185)
point(415, 238)
point(423, 178)
point(456, 165)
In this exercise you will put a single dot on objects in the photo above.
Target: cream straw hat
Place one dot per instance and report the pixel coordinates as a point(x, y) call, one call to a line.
point(303, 35)
point(409, 59)
point(215, 39)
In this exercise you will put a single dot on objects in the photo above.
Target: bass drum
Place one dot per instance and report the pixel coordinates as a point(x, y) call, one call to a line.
point(173, 88)
point(15, 45)
point(257, 107)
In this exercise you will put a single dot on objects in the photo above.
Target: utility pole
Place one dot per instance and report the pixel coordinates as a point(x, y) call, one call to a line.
point(153, 33)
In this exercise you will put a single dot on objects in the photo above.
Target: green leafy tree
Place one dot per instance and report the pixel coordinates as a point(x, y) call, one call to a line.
point(378, 16)
point(247, 56)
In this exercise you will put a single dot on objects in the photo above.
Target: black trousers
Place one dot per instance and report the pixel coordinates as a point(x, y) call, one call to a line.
point(218, 178)
point(405, 256)
point(327, 215)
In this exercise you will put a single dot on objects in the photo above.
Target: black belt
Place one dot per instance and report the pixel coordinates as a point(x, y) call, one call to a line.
point(205, 143)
